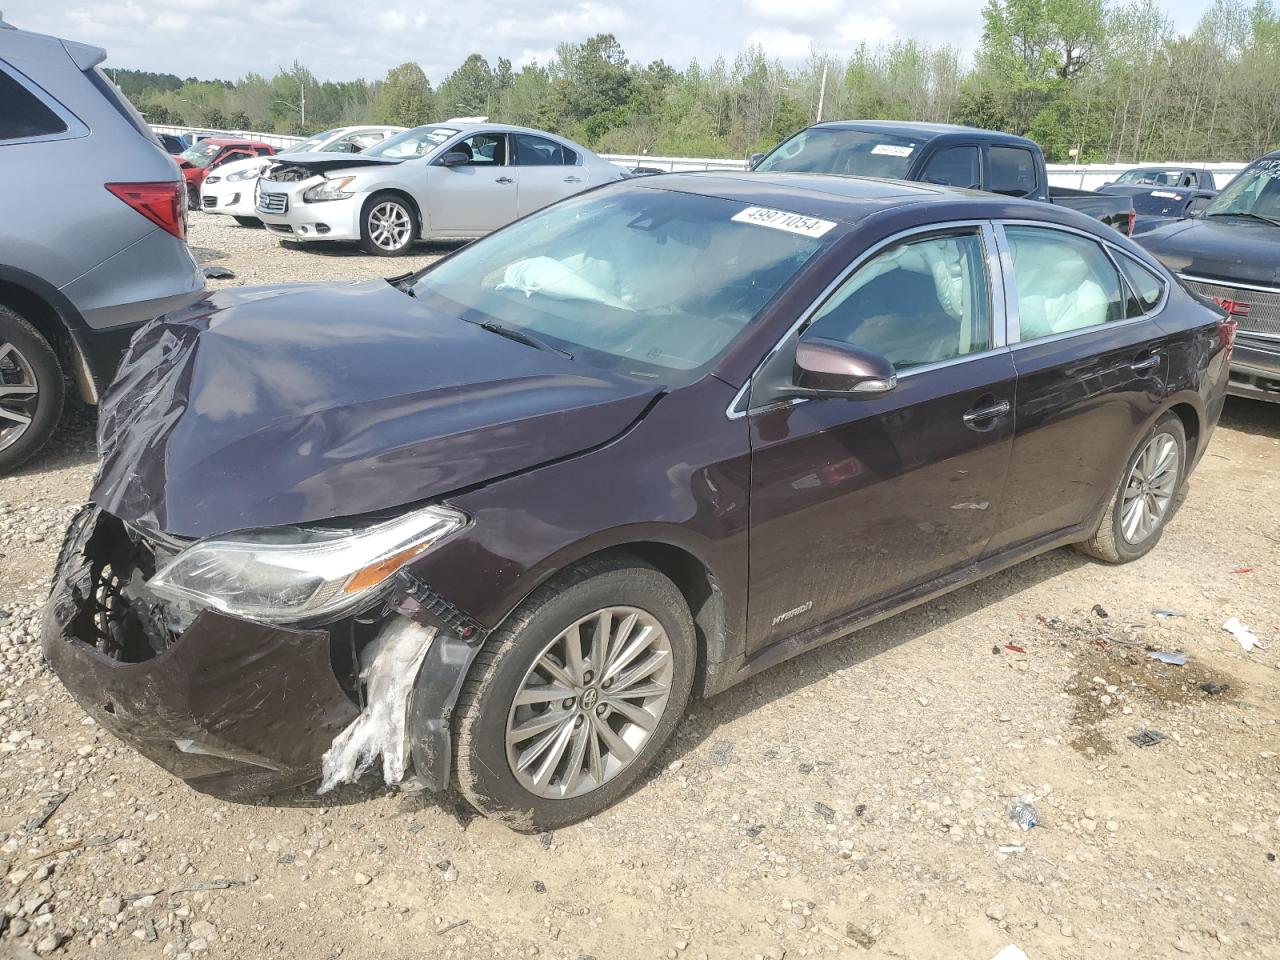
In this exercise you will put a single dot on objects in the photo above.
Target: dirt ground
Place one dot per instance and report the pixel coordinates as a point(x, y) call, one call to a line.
point(852, 802)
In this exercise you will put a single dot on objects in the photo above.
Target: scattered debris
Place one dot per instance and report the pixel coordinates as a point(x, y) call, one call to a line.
point(1011, 848)
point(755, 830)
point(822, 810)
point(862, 936)
point(805, 768)
point(860, 809)
point(451, 927)
point(218, 884)
point(50, 808)
point(1015, 648)
point(1213, 689)
point(214, 272)
point(719, 753)
point(1024, 812)
point(1166, 614)
point(1173, 659)
point(996, 649)
point(539, 887)
point(1242, 633)
point(65, 848)
point(1100, 611)
point(1146, 738)
point(1243, 570)
point(545, 839)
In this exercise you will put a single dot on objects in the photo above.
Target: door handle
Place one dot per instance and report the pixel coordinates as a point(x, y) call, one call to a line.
point(504, 180)
point(978, 414)
point(1150, 363)
point(572, 179)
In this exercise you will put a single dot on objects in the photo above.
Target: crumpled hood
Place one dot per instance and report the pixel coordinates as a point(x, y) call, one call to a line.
point(1221, 249)
point(281, 405)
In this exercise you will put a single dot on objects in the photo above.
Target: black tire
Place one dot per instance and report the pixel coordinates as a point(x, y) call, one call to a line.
point(483, 772)
point(248, 221)
point(38, 363)
point(193, 197)
point(372, 207)
point(1109, 542)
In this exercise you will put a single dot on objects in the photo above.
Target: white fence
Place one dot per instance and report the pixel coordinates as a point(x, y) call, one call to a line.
point(1087, 176)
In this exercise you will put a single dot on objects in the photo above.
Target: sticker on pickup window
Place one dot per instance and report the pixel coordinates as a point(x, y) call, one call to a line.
point(782, 220)
point(892, 150)
point(1166, 194)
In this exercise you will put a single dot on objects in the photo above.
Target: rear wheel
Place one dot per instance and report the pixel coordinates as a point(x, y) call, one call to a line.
point(248, 221)
point(31, 390)
point(1146, 496)
point(388, 226)
point(571, 701)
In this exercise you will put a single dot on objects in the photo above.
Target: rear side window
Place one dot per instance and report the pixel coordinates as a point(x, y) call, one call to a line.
point(1065, 282)
point(24, 116)
point(1013, 171)
point(533, 151)
point(954, 167)
point(1144, 286)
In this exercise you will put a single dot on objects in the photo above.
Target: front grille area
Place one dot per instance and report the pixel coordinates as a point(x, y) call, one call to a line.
point(1264, 305)
point(272, 202)
point(208, 202)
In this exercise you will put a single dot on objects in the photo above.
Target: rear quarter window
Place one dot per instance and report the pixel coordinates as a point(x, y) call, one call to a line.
point(24, 116)
point(1013, 171)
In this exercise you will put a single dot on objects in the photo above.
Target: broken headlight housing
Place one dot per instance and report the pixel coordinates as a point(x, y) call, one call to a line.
point(297, 574)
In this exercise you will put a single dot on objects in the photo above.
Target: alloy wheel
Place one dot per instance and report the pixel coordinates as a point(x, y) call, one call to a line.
point(390, 226)
point(589, 703)
point(1149, 488)
point(19, 393)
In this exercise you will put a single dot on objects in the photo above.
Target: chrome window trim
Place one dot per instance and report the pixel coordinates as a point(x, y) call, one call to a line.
point(1011, 284)
point(738, 407)
point(1233, 283)
point(75, 127)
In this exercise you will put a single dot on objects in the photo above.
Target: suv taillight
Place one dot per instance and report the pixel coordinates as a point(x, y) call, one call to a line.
point(161, 203)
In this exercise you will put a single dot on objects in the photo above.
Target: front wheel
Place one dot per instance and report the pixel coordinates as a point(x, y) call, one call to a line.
point(572, 700)
point(388, 226)
point(248, 221)
point(1146, 497)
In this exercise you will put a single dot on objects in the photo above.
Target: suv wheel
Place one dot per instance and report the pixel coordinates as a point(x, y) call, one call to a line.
point(573, 698)
point(31, 390)
point(388, 226)
point(1146, 497)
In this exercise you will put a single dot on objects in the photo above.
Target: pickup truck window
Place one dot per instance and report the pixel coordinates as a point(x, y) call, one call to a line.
point(954, 167)
point(848, 152)
point(1065, 282)
point(1013, 171)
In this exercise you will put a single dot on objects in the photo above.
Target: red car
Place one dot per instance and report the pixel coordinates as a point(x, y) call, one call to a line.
point(197, 160)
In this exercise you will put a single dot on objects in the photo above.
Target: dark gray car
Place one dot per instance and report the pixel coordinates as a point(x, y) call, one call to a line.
point(93, 234)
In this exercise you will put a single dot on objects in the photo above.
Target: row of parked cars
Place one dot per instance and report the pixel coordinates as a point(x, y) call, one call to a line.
point(497, 520)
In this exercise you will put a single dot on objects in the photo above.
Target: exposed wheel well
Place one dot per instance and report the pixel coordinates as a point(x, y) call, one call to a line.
point(37, 312)
point(1190, 425)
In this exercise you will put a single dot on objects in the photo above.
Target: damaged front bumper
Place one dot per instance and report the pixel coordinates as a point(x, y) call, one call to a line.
point(238, 708)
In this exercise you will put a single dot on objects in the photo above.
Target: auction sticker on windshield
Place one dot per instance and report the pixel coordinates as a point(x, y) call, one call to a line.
point(892, 150)
point(782, 220)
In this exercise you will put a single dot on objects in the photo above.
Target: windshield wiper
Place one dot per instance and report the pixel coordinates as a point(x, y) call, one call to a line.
point(1245, 213)
point(519, 336)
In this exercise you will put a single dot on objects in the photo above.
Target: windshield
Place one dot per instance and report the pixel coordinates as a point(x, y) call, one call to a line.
point(648, 283)
point(202, 154)
point(1158, 178)
point(411, 144)
point(1255, 192)
point(852, 152)
point(312, 142)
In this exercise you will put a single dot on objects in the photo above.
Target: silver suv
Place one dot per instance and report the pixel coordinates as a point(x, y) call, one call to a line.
point(93, 235)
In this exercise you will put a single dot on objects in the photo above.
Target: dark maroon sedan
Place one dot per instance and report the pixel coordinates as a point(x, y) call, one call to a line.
point(493, 523)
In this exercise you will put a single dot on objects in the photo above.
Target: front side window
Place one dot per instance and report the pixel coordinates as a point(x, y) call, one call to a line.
point(954, 167)
point(919, 302)
point(653, 284)
point(531, 151)
point(849, 152)
point(1013, 171)
point(483, 149)
point(1065, 282)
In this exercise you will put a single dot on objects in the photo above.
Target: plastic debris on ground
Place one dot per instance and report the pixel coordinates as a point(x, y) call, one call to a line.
point(1024, 812)
point(1213, 689)
point(1166, 614)
point(217, 273)
point(1100, 611)
point(1011, 953)
point(1242, 633)
point(1173, 659)
point(1146, 738)
point(389, 667)
point(1015, 648)
point(1243, 570)
point(1011, 848)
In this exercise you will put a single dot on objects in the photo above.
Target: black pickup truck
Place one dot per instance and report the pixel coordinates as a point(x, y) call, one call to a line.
point(1230, 253)
point(936, 153)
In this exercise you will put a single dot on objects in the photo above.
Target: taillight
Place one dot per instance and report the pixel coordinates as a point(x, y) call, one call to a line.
point(1133, 218)
point(1227, 334)
point(161, 203)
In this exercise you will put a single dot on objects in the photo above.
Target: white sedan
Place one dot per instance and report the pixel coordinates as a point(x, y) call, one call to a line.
point(444, 181)
point(230, 188)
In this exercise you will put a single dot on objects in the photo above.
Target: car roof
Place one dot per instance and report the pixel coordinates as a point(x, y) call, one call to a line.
point(235, 142)
point(827, 196)
point(922, 131)
point(497, 127)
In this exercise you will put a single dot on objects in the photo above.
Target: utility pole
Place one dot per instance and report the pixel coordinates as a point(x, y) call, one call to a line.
point(822, 91)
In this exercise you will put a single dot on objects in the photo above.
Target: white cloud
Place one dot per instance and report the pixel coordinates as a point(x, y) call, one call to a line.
point(781, 44)
point(795, 11)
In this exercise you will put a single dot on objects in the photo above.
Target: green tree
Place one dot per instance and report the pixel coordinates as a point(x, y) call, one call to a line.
point(404, 97)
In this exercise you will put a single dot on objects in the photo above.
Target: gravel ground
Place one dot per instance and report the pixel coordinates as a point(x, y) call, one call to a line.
point(852, 802)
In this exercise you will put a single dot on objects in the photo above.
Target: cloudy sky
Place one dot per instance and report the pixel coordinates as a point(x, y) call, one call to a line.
point(344, 39)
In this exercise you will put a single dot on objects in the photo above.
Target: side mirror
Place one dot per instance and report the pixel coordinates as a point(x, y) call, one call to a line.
point(454, 158)
point(833, 368)
point(755, 160)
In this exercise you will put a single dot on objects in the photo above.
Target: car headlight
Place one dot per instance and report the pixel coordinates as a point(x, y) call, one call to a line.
point(213, 178)
point(329, 190)
point(293, 574)
point(251, 174)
